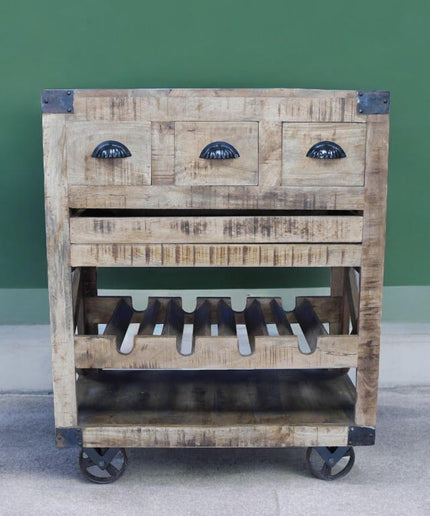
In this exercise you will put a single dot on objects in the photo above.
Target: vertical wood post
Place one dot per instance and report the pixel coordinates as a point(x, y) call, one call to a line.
point(59, 271)
point(371, 278)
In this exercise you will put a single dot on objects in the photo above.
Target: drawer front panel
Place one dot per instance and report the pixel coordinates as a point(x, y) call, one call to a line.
point(83, 137)
point(300, 170)
point(192, 137)
point(237, 229)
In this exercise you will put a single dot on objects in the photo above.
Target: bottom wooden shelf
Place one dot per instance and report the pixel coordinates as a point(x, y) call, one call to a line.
point(170, 409)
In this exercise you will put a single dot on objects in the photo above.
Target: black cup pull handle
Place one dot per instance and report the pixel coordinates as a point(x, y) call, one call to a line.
point(110, 149)
point(326, 150)
point(219, 150)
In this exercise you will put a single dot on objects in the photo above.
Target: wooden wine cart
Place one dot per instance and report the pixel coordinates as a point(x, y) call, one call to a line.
point(215, 178)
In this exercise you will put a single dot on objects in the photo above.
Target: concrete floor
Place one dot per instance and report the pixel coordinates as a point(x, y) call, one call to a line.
point(390, 478)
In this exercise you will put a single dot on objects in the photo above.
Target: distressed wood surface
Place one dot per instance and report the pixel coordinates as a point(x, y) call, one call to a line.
point(263, 197)
point(228, 434)
point(196, 105)
point(222, 350)
point(310, 323)
point(160, 127)
point(372, 270)
point(338, 288)
point(219, 255)
point(299, 170)
point(173, 409)
point(59, 271)
point(270, 154)
point(163, 153)
point(100, 310)
point(83, 138)
point(211, 353)
point(190, 140)
point(220, 229)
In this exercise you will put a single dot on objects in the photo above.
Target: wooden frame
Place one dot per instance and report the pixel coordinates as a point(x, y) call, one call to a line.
point(330, 222)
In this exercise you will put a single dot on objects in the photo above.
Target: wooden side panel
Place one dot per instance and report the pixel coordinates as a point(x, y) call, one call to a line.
point(371, 278)
point(236, 229)
point(59, 271)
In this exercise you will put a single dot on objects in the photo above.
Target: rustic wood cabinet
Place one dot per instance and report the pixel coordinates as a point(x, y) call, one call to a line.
point(215, 178)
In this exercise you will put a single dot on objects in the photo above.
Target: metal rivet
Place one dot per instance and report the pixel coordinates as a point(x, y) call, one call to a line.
point(361, 111)
point(45, 101)
point(69, 110)
point(69, 92)
point(385, 101)
point(360, 93)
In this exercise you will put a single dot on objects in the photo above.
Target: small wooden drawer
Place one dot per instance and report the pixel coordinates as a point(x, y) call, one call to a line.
point(216, 229)
point(192, 137)
point(300, 170)
point(82, 138)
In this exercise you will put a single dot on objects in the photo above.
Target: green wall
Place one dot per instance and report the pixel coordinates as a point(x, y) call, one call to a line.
point(194, 43)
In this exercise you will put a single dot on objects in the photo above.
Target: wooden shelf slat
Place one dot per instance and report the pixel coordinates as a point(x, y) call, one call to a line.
point(282, 323)
point(202, 319)
point(149, 319)
point(118, 324)
point(311, 325)
point(226, 319)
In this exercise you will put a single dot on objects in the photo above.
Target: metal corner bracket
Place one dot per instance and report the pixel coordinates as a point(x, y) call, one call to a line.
point(373, 102)
point(361, 435)
point(57, 101)
point(68, 437)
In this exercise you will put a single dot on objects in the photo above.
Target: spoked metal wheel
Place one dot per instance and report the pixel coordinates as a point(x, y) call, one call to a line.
point(102, 465)
point(330, 463)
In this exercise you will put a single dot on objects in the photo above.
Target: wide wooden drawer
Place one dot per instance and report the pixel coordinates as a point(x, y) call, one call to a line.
point(299, 169)
point(216, 229)
point(108, 168)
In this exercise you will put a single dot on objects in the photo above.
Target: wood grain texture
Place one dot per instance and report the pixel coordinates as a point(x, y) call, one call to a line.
point(163, 153)
point(196, 105)
point(338, 288)
point(220, 229)
point(190, 140)
point(59, 271)
point(299, 227)
point(217, 197)
point(299, 170)
point(270, 154)
point(192, 409)
point(211, 353)
point(219, 255)
point(83, 138)
point(371, 278)
point(231, 435)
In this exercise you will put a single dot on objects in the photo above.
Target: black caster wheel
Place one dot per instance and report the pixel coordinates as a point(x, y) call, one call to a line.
point(102, 465)
point(330, 463)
